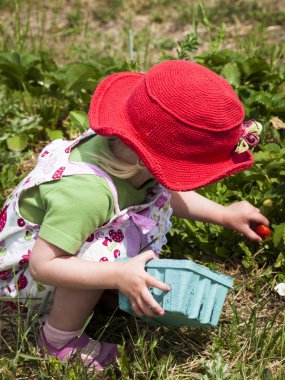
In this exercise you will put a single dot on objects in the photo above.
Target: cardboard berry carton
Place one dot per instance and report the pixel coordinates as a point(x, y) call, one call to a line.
point(196, 297)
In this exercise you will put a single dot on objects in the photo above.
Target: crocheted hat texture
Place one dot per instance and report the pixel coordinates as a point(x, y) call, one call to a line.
point(183, 121)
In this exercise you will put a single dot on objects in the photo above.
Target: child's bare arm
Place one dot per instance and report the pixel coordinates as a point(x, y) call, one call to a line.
point(191, 205)
point(238, 216)
point(51, 265)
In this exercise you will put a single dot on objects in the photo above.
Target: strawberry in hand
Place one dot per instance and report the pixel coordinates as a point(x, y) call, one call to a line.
point(262, 230)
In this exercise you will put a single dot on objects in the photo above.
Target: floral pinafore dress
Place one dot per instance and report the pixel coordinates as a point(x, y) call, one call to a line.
point(126, 234)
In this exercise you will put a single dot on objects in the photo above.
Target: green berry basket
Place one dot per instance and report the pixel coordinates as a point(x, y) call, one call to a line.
point(196, 297)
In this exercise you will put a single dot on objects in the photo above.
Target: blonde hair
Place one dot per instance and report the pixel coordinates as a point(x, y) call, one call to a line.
point(109, 162)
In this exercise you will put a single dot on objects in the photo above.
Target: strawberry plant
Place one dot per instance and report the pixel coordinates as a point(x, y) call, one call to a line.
point(41, 101)
point(259, 80)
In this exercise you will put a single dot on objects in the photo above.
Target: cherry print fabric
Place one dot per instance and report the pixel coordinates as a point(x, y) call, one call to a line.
point(126, 234)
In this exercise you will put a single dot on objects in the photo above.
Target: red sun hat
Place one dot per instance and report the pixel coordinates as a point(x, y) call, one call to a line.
point(182, 120)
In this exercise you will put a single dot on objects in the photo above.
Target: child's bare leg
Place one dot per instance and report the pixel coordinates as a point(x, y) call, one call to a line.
point(60, 334)
point(71, 308)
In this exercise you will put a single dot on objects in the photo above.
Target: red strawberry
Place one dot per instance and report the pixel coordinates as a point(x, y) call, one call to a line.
point(21, 222)
point(22, 282)
point(117, 236)
point(3, 218)
point(104, 259)
point(58, 173)
point(263, 231)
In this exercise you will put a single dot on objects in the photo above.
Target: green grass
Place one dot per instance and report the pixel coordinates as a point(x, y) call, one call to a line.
point(52, 55)
point(248, 344)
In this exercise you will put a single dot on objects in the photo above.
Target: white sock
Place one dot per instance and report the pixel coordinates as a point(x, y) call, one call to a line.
point(58, 338)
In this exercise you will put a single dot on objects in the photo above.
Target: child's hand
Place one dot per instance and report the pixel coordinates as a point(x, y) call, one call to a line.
point(134, 282)
point(241, 216)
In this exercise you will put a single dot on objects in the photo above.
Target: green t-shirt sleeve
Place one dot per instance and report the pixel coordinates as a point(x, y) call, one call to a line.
point(74, 207)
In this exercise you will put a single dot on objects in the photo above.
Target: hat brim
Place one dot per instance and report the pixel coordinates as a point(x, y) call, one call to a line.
point(107, 117)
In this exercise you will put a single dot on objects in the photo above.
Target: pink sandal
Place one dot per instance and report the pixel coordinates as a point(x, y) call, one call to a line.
point(97, 355)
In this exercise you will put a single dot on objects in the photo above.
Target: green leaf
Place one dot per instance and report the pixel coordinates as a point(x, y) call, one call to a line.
point(85, 324)
point(14, 66)
point(280, 260)
point(247, 261)
point(261, 156)
point(54, 134)
point(231, 73)
point(30, 357)
point(279, 234)
point(22, 124)
point(80, 75)
point(29, 60)
point(4, 136)
point(263, 98)
point(17, 143)
point(272, 147)
point(80, 119)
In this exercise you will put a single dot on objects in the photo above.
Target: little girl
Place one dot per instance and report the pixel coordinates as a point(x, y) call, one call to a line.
point(109, 194)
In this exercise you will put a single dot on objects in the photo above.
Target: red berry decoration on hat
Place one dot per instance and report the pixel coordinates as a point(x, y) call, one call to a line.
point(58, 173)
point(263, 231)
point(3, 218)
point(117, 236)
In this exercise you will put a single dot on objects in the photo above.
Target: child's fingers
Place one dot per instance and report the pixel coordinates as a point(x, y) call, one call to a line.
point(152, 281)
point(146, 256)
point(251, 234)
point(148, 309)
point(259, 218)
point(142, 309)
point(136, 309)
point(149, 305)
